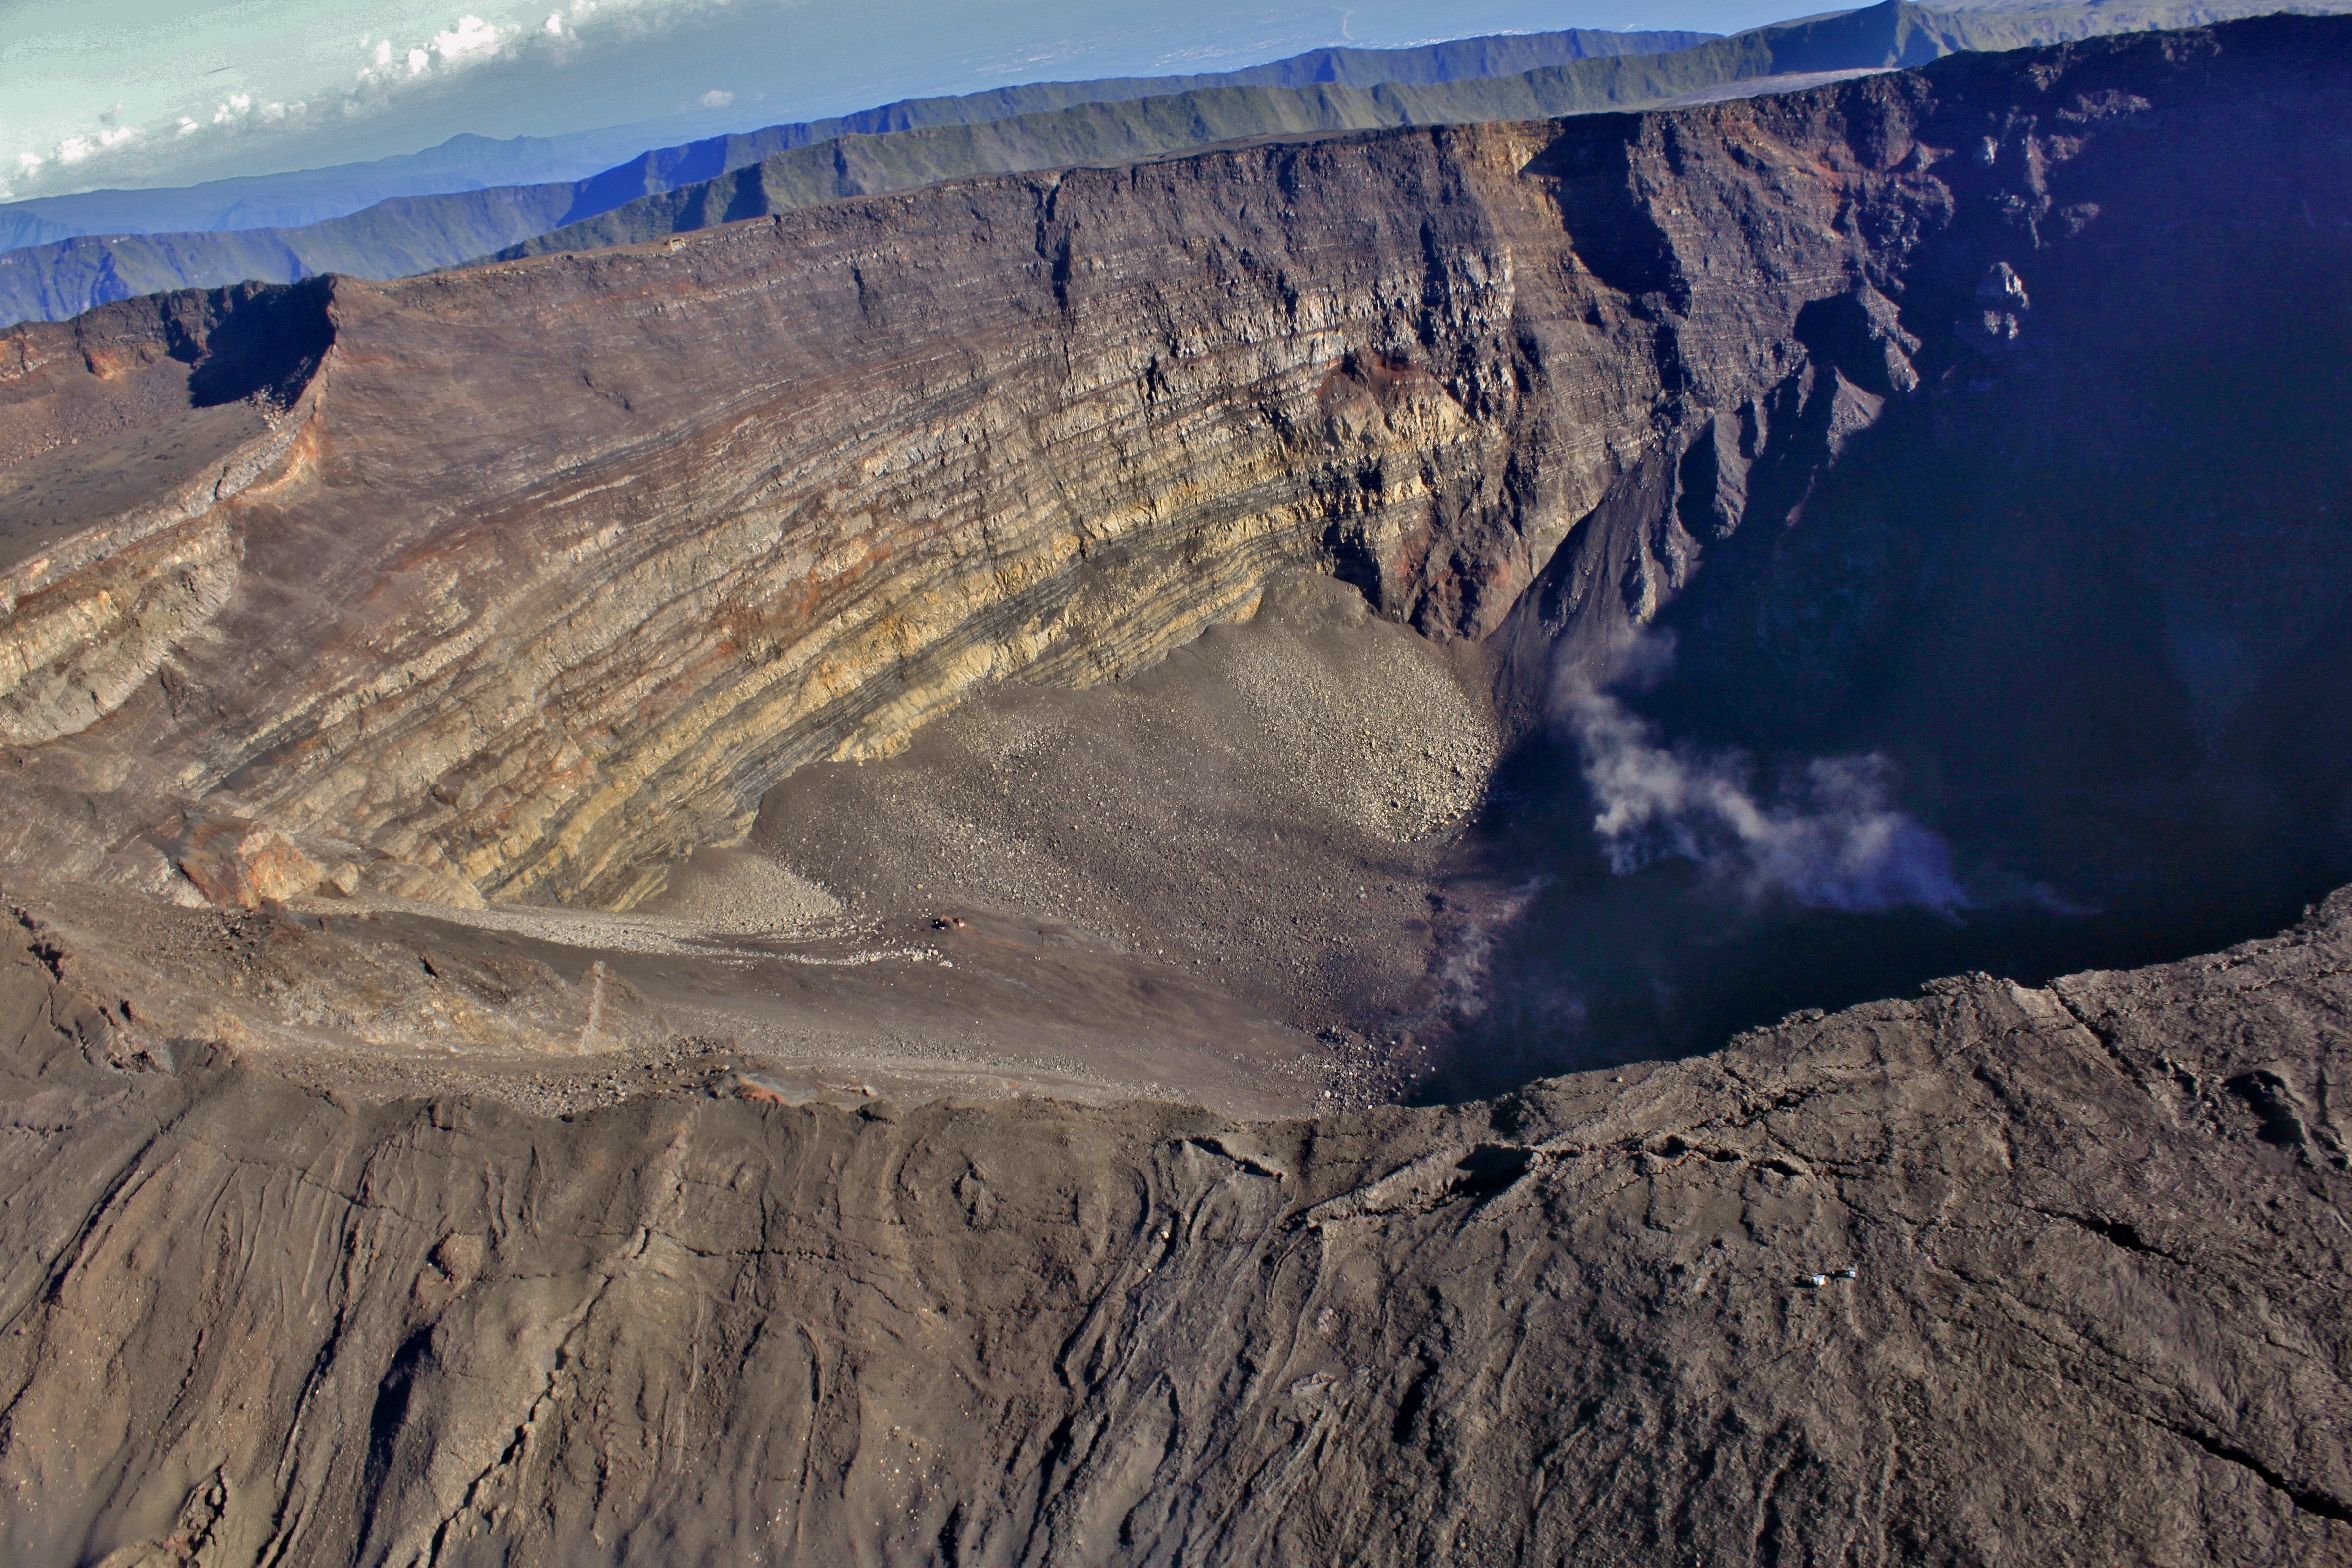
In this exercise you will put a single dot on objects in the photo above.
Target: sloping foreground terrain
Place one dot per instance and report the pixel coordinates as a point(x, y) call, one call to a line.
point(1996, 1275)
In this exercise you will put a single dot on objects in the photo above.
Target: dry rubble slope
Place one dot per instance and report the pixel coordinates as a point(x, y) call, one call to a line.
point(1000, 911)
point(526, 581)
point(1994, 1274)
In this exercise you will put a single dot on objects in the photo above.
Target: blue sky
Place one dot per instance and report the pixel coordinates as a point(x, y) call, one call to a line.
point(157, 92)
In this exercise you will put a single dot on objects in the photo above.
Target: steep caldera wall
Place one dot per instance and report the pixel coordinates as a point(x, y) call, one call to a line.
point(573, 558)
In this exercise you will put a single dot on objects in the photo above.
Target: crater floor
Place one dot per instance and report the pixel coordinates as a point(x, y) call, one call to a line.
point(1236, 879)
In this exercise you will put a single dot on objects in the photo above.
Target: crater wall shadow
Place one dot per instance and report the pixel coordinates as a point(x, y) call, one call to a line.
point(2089, 592)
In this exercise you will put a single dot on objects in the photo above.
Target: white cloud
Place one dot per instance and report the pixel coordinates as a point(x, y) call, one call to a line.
point(391, 71)
point(471, 37)
point(470, 41)
point(77, 148)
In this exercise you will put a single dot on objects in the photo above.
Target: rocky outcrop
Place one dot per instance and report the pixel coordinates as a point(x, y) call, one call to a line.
point(1924, 1281)
point(1038, 125)
point(522, 580)
point(60, 256)
point(121, 478)
point(1106, 130)
point(574, 558)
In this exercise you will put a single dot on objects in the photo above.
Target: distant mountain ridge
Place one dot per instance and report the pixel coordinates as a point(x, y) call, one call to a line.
point(300, 197)
point(668, 168)
point(467, 161)
point(1042, 125)
point(1883, 36)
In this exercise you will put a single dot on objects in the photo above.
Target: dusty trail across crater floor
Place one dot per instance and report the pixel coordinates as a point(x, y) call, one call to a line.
point(525, 584)
point(1235, 880)
point(777, 899)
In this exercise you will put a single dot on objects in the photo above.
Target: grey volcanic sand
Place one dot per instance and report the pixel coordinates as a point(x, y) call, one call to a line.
point(1271, 808)
point(1223, 881)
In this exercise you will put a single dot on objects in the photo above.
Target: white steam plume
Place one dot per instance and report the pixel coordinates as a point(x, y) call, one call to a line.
point(1829, 840)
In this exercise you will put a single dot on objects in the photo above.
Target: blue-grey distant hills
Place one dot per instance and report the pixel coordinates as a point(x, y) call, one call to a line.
point(472, 195)
point(467, 162)
point(1042, 125)
point(1456, 59)
point(463, 162)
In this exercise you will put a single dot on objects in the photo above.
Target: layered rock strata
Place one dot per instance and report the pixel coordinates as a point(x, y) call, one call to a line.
point(1124, 131)
point(62, 256)
point(566, 562)
point(1995, 1272)
point(1041, 125)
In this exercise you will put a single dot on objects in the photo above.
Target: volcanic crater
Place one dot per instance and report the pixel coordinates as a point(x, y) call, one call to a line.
point(1197, 861)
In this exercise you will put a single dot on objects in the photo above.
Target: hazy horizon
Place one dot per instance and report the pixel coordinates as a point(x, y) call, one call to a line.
point(148, 95)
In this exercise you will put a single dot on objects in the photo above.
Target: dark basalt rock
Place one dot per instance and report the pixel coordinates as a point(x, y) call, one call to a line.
point(525, 579)
point(552, 568)
point(2096, 1234)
